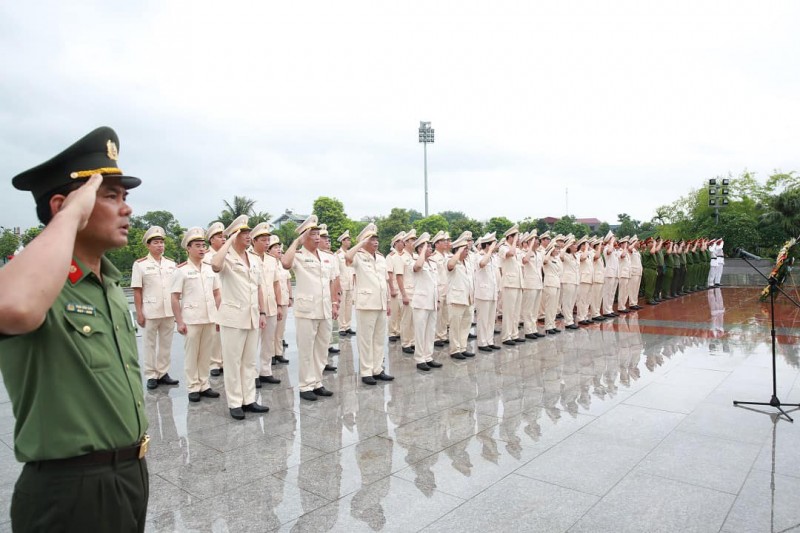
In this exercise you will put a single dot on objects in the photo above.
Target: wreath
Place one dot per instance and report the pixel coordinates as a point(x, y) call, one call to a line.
point(782, 266)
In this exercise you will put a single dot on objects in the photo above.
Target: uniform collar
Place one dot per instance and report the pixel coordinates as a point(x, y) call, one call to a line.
point(78, 271)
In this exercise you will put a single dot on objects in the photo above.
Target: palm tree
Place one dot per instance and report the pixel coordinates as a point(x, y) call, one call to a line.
point(784, 209)
point(241, 205)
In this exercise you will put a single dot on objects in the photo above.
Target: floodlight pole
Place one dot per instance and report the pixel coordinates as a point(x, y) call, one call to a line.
point(425, 136)
point(425, 151)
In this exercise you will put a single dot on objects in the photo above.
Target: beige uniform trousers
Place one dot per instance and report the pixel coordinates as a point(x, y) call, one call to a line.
point(157, 346)
point(569, 293)
point(407, 327)
point(197, 347)
point(460, 322)
point(371, 340)
point(313, 338)
point(442, 321)
point(267, 349)
point(486, 317)
point(424, 332)
point(280, 330)
point(512, 305)
point(633, 290)
point(596, 299)
point(239, 354)
point(609, 290)
point(216, 349)
point(624, 294)
point(395, 302)
point(346, 315)
point(584, 296)
point(531, 301)
point(550, 304)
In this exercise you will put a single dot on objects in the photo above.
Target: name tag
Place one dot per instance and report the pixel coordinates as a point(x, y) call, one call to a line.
point(80, 309)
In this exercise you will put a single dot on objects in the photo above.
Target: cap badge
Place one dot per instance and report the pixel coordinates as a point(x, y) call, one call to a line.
point(112, 150)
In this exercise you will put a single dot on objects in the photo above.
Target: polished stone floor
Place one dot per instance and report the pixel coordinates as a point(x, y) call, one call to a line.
point(624, 426)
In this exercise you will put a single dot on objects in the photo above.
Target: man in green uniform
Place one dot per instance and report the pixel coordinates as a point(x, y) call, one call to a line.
point(649, 270)
point(68, 351)
point(669, 271)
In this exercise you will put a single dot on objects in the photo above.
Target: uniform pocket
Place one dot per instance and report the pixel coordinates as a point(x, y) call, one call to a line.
point(303, 303)
point(86, 328)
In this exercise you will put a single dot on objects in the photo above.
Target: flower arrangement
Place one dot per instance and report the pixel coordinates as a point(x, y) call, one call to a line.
point(783, 266)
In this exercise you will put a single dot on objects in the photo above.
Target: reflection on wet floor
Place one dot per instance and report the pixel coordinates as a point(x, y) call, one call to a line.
point(622, 426)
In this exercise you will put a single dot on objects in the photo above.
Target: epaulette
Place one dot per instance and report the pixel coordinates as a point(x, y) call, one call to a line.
point(168, 258)
point(182, 264)
point(142, 259)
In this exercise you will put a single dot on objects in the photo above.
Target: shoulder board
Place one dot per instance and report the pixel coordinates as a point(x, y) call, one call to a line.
point(169, 258)
point(185, 262)
point(142, 259)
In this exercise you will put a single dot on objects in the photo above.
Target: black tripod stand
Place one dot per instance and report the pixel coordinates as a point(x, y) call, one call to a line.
point(774, 401)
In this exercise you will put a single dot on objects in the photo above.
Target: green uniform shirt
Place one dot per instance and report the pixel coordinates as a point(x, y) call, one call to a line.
point(660, 257)
point(648, 259)
point(669, 260)
point(75, 383)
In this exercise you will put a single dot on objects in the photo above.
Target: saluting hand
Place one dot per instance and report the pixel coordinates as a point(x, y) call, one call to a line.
point(81, 202)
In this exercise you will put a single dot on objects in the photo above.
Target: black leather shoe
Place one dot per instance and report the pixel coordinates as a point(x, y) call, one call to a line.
point(573, 326)
point(494, 347)
point(166, 380)
point(531, 336)
point(471, 336)
point(273, 362)
point(216, 372)
point(609, 315)
point(539, 335)
point(457, 356)
point(519, 340)
point(484, 348)
point(329, 368)
point(194, 396)
point(408, 349)
point(446, 341)
point(509, 342)
point(423, 366)
point(258, 383)
point(322, 391)
point(559, 315)
point(599, 319)
point(652, 302)
point(438, 344)
point(383, 376)
point(285, 344)
point(152, 384)
point(269, 379)
point(551, 331)
point(468, 354)
point(333, 349)
point(434, 364)
point(368, 380)
point(394, 338)
point(237, 413)
point(308, 395)
point(343, 334)
point(636, 307)
point(255, 408)
point(625, 311)
point(209, 393)
point(281, 359)
point(350, 331)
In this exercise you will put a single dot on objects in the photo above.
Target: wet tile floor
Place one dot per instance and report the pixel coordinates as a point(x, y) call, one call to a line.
point(624, 426)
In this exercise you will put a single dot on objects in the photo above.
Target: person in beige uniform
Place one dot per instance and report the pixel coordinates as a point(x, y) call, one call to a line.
point(461, 298)
point(611, 256)
point(624, 275)
point(241, 315)
point(585, 258)
point(486, 289)
point(511, 266)
point(395, 265)
point(150, 280)
point(215, 235)
point(285, 284)
point(636, 275)
point(570, 279)
point(439, 242)
point(372, 303)
point(195, 299)
point(331, 267)
point(316, 305)
point(405, 282)
point(598, 280)
point(551, 265)
point(346, 280)
point(270, 290)
point(424, 302)
point(531, 286)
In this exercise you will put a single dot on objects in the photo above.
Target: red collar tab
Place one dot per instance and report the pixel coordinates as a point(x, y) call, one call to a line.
point(75, 273)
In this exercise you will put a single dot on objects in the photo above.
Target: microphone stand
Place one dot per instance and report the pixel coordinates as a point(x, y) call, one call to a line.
point(774, 401)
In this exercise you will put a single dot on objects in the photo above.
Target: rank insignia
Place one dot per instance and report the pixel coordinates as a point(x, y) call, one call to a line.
point(112, 150)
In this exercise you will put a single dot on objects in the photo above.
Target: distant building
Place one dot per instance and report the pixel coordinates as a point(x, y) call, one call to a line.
point(288, 216)
point(593, 223)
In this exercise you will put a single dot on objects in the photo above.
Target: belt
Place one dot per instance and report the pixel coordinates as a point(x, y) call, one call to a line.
point(102, 457)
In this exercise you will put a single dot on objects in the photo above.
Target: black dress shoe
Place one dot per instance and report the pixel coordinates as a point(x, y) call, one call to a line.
point(209, 393)
point(194, 396)
point(484, 348)
point(255, 408)
point(614, 314)
point(269, 379)
point(438, 344)
point(468, 354)
point(423, 366)
point(598, 319)
point(281, 359)
point(237, 413)
point(308, 395)
point(539, 335)
point(258, 383)
point(343, 333)
point(333, 349)
point(446, 341)
point(322, 391)
point(369, 380)
point(434, 364)
point(166, 380)
point(573, 326)
point(531, 336)
point(559, 315)
point(471, 336)
point(622, 311)
point(652, 302)
point(273, 362)
point(457, 356)
point(285, 344)
point(215, 372)
point(350, 331)
point(509, 342)
point(329, 368)
point(152, 384)
point(519, 340)
point(408, 349)
point(552, 331)
point(494, 347)
point(394, 338)
point(383, 376)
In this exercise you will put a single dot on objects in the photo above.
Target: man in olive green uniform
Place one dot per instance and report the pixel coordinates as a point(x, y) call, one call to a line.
point(69, 358)
point(669, 271)
point(660, 270)
point(649, 270)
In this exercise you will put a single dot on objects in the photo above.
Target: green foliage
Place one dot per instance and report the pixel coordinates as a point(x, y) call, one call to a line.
point(453, 216)
point(498, 225)
point(30, 234)
point(397, 221)
point(123, 258)
point(628, 226)
point(286, 233)
point(458, 227)
point(568, 224)
point(9, 243)
point(603, 228)
point(431, 224)
point(241, 205)
point(528, 224)
point(330, 211)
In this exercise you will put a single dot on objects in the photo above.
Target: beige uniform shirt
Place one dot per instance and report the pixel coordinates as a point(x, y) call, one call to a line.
point(511, 267)
point(486, 280)
point(599, 267)
point(569, 269)
point(312, 294)
point(532, 272)
point(269, 271)
point(154, 279)
point(371, 287)
point(407, 271)
point(346, 273)
point(239, 291)
point(552, 272)
point(586, 266)
point(624, 264)
point(636, 263)
point(283, 277)
point(426, 282)
point(461, 284)
point(196, 287)
point(441, 267)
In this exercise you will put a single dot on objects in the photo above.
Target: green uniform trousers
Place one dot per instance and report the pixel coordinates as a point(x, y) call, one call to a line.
point(666, 290)
point(649, 283)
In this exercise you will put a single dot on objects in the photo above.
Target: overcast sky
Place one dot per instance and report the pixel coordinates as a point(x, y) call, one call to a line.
point(628, 105)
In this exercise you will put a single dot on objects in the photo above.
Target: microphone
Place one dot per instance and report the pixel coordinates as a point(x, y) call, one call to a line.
point(744, 254)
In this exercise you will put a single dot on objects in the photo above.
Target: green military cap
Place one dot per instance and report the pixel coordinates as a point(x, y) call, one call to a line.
point(96, 153)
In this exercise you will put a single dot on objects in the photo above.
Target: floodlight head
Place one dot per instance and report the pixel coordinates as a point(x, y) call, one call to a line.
point(712, 181)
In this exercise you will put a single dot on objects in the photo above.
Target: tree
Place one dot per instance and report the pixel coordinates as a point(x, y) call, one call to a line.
point(528, 224)
point(287, 233)
point(627, 226)
point(397, 221)
point(453, 216)
point(164, 219)
point(30, 234)
point(603, 229)
point(499, 225)
point(466, 224)
point(432, 224)
point(241, 205)
point(123, 258)
point(414, 215)
point(784, 211)
point(330, 211)
point(9, 242)
point(568, 224)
